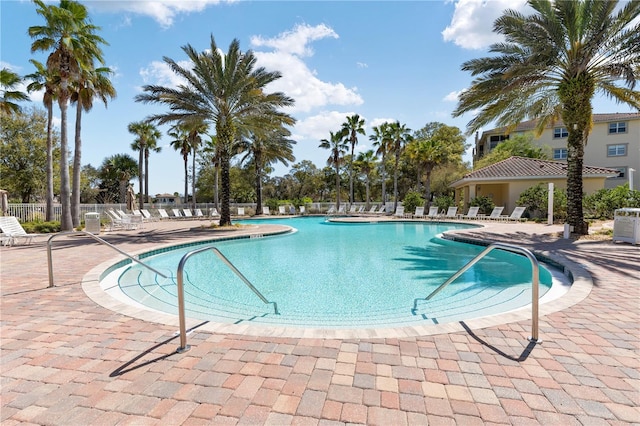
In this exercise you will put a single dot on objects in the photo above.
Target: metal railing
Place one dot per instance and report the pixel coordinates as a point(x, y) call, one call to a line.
point(181, 309)
point(535, 280)
point(98, 239)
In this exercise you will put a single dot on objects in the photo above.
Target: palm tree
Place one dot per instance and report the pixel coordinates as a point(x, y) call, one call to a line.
point(351, 128)
point(550, 66)
point(195, 129)
point(271, 145)
point(425, 154)
point(210, 153)
point(382, 140)
point(366, 163)
point(47, 80)
point(227, 91)
point(91, 83)
point(399, 135)
point(338, 147)
point(147, 136)
point(180, 143)
point(8, 82)
point(74, 46)
point(120, 167)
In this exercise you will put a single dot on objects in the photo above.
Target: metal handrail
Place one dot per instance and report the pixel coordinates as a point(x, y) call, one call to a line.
point(535, 279)
point(98, 239)
point(181, 311)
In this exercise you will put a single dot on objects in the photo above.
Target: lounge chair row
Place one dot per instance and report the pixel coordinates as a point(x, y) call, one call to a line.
point(452, 213)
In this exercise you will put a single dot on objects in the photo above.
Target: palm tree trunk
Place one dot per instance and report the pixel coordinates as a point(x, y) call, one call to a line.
point(258, 163)
point(66, 222)
point(367, 186)
point(384, 180)
point(77, 164)
point(575, 160)
point(146, 177)
point(141, 149)
point(49, 196)
point(337, 187)
point(216, 197)
point(193, 177)
point(395, 180)
point(427, 186)
point(225, 211)
point(186, 179)
point(351, 174)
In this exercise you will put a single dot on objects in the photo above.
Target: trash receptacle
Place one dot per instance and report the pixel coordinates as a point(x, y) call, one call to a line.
point(92, 223)
point(626, 225)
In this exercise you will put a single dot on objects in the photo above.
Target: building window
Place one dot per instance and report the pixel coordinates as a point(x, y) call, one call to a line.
point(560, 132)
point(560, 154)
point(619, 150)
point(494, 140)
point(622, 172)
point(619, 127)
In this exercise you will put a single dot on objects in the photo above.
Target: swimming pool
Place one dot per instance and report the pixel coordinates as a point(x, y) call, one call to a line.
point(337, 276)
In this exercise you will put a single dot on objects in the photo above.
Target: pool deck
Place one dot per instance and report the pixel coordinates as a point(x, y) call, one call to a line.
point(66, 360)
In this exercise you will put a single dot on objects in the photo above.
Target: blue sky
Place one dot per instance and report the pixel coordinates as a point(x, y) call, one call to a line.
point(384, 60)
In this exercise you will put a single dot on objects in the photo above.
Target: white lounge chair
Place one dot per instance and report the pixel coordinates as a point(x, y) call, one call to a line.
point(495, 214)
point(148, 216)
point(433, 213)
point(342, 209)
point(471, 214)
point(353, 209)
point(382, 209)
point(331, 210)
point(12, 231)
point(198, 213)
point(361, 210)
point(516, 215)
point(122, 221)
point(213, 212)
point(240, 211)
point(302, 209)
point(399, 212)
point(419, 213)
point(282, 210)
point(163, 214)
point(265, 211)
point(187, 213)
point(452, 213)
point(372, 210)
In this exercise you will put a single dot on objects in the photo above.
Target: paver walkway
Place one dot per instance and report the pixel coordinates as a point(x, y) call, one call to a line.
point(67, 361)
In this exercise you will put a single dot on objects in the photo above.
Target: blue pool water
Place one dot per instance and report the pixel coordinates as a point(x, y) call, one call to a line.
point(332, 275)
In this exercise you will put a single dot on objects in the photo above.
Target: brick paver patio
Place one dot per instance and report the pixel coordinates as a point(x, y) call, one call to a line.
point(67, 361)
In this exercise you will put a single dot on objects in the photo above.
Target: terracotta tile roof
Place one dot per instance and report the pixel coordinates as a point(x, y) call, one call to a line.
point(526, 126)
point(528, 168)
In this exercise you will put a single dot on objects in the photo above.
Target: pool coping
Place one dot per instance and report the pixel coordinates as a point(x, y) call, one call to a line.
point(580, 288)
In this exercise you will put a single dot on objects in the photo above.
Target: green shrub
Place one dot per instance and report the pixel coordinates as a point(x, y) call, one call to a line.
point(444, 202)
point(412, 200)
point(484, 203)
point(602, 203)
point(38, 227)
point(536, 200)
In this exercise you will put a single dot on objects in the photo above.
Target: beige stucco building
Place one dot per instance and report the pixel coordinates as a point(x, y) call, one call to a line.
point(504, 181)
point(614, 142)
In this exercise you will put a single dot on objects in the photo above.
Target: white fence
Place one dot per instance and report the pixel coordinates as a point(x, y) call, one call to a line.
point(36, 212)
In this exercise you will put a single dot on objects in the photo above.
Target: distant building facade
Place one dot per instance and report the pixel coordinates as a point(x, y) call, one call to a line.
point(614, 143)
point(167, 199)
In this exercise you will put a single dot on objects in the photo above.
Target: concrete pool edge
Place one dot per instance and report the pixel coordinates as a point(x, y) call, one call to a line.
point(578, 291)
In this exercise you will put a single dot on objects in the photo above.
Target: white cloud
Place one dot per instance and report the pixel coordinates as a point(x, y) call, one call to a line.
point(159, 73)
point(296, 41)
point(471, 26)
point(378, 121)
point(453, 96)
point(318, 126)
point(162, 11)
point(362, 65)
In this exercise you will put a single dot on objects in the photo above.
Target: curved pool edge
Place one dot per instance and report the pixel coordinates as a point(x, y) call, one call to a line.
point(580, 288)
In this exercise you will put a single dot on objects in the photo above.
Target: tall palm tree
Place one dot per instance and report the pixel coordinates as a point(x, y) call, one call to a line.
point(91, 83)
point(350, 129)
point(366, 163)
point(147, 136)
point(181, 143)
point(8, 82)
point(47, 80)
point(226, 90)
point(550, 67)
point(195, 129)
point(426, 154)
point(399, 135)
point(263, 148)
point(74, 45)
point(382, 140)
point(338, 147)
